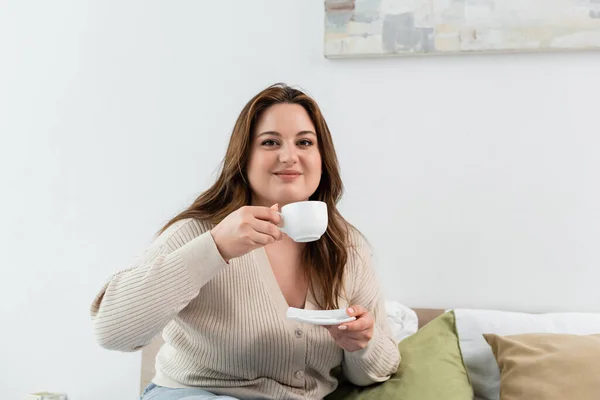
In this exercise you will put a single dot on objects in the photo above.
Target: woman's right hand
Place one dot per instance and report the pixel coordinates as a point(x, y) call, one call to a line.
point(246, 229)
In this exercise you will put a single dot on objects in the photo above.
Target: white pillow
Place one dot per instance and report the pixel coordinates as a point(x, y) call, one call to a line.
point(477, 354)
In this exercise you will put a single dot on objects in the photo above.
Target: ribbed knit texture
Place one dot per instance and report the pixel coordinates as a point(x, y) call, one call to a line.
point(224, 325)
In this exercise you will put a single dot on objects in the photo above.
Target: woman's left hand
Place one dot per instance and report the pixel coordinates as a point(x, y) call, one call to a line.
point(354, 335)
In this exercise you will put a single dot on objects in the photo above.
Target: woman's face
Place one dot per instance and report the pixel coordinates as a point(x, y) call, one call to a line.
point(285, 163)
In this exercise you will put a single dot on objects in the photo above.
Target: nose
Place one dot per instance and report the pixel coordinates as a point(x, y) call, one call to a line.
point(288, 154)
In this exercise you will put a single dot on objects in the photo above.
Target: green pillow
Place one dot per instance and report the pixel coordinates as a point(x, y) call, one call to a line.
point(431, 369)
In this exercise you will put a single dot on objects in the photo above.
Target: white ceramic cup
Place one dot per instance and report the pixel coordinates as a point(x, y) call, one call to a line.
point(304, 221)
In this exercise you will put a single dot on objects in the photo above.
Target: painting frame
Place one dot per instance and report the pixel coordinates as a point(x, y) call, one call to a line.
point(380, 28)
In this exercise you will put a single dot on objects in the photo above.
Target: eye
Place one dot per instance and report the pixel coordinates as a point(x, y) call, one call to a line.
point(268, 143)
point(305, 142)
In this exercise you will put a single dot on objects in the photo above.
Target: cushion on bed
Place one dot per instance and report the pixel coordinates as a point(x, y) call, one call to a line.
point(431, 369)
point(477, 354)
point(547, 366)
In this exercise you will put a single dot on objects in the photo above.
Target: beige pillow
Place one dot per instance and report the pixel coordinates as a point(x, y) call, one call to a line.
point(547, 366)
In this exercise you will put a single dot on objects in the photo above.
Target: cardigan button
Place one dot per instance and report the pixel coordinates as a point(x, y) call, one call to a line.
point(298, 333)
point(299, 374)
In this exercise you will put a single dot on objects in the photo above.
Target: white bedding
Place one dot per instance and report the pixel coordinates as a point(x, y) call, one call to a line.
point(403, 320)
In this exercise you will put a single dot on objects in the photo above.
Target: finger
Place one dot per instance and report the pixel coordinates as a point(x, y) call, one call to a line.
point(266, 214)
point(357, 336)
point(261, 239)
point(267, 228)
point(276, 208)
point(333, 329)
point(356, 311)
point(360, 324)
point(354, 326)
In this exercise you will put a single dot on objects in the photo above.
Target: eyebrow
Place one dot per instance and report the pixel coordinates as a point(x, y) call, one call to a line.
point(275, 133)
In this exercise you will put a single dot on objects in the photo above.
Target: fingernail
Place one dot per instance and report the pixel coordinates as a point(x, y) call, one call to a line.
point(342, 327)
point(351, 310)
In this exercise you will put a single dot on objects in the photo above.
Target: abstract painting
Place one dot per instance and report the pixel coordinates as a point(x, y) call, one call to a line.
point(358, 28)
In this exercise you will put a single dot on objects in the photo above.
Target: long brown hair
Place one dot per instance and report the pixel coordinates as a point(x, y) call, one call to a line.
point(324, 260)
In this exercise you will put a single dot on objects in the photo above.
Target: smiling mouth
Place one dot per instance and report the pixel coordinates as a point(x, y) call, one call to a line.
point(287, 175)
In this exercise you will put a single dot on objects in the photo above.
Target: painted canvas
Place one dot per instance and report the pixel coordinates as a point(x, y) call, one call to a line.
point(409, 27)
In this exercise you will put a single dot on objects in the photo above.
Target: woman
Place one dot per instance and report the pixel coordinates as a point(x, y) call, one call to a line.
point(219, 278)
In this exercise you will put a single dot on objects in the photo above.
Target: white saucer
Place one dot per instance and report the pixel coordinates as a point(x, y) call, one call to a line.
point(319, 317)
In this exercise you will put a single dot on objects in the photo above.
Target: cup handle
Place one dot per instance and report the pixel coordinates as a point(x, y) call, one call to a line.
point(282, 227)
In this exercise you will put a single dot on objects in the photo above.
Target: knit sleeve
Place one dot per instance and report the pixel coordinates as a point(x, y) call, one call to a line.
point(381, 357)
point(135, 304)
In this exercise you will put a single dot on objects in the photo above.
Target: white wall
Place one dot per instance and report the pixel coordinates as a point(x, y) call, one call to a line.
point(475, 177)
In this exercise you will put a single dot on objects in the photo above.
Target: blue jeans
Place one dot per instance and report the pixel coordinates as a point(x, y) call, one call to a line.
point(154, 392)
